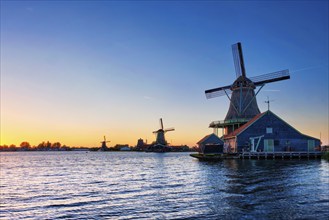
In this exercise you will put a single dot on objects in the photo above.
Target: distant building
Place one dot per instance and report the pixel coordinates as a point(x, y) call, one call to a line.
point(267, 132)
point(181, 148)
point(141, 145)
point(210, 144)
point(125, 148)
point(121, 147)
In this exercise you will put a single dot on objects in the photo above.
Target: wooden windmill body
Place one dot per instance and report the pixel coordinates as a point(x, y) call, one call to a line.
point(160, 134)
point(160, 145)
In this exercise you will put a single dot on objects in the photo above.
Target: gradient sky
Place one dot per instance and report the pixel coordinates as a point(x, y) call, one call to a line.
point(73, 71)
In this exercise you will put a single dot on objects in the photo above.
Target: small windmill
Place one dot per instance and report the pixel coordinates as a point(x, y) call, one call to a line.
point(160, 134)
point(243, 103)
point(104, 147)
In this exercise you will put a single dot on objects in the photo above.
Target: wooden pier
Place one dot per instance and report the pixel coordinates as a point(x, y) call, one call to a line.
point(284, 155)
point(281, 155)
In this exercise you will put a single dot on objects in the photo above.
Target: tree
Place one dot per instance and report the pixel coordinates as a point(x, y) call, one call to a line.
point(12, 147)
point(48, 145)
point(25, 145)
point(56, 146)
point(4, 147)
point(64, 147)
point(44, 146)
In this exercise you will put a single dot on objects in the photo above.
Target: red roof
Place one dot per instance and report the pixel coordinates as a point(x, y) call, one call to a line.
point(243, 127)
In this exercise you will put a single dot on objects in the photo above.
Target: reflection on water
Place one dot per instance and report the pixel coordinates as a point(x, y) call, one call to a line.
point(132, 185)
point(270, 189)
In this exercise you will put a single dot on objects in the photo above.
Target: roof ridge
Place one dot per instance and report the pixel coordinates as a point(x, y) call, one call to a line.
point(246, 125)
point(206, 137)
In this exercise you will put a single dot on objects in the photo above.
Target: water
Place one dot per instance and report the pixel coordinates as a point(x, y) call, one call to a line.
point(133, 185)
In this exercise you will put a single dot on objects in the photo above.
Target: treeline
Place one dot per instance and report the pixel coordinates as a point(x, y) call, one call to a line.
point(43, 146)
point(57, 146)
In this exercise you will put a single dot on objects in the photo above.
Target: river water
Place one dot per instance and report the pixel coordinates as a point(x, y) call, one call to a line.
point(135, 185)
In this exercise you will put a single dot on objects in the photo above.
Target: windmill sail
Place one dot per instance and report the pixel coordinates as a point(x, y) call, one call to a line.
point(270, 77)
point(257, 80)
point(238, 60)
point(220, 91)
point(161, 124)
point(169, 129)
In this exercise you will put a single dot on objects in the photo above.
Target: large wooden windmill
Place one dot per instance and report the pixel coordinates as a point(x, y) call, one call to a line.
point(243, 103)
point(160, 134)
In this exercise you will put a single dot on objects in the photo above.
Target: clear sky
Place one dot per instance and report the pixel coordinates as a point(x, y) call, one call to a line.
point(73, 71)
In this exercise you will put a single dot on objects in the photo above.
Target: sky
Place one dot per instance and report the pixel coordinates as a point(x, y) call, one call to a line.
point(74, 71)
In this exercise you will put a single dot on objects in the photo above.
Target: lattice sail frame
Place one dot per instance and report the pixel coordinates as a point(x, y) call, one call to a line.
point(242, 98)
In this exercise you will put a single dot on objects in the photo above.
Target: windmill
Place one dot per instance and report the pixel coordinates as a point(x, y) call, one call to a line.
point(104, 147)
point(160, 134)
point(243, 103)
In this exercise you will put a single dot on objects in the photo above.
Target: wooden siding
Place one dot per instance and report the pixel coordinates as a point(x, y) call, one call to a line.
point(285, 137)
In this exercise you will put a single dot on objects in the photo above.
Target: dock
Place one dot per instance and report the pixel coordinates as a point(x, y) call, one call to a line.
point(284, 155)
point(281, 155)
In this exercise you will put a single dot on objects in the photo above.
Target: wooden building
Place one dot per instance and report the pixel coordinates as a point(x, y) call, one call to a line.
point(210, 144)
point(267, 132)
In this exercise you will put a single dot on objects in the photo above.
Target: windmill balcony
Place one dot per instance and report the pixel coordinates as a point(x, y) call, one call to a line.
point(224, 123)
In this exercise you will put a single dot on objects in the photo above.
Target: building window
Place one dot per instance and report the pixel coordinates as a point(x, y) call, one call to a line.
point(268, 145)
point(269, 130)
point(311, 145)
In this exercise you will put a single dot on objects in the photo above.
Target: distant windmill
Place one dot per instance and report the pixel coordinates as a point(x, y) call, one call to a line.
point(243, 103)
point(160, 134)
point(104, 147)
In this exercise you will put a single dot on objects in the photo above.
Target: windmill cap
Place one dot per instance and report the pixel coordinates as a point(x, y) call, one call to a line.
point(244, 81)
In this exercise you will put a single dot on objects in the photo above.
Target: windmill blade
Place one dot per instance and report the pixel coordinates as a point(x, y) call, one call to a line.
point(169, 129)
point(220, 91)
point(154, 132)
point(238, 60)
point(161, 124)
point(270, 77)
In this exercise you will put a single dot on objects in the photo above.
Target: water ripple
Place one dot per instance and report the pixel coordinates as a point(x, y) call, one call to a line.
point(131, 185)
